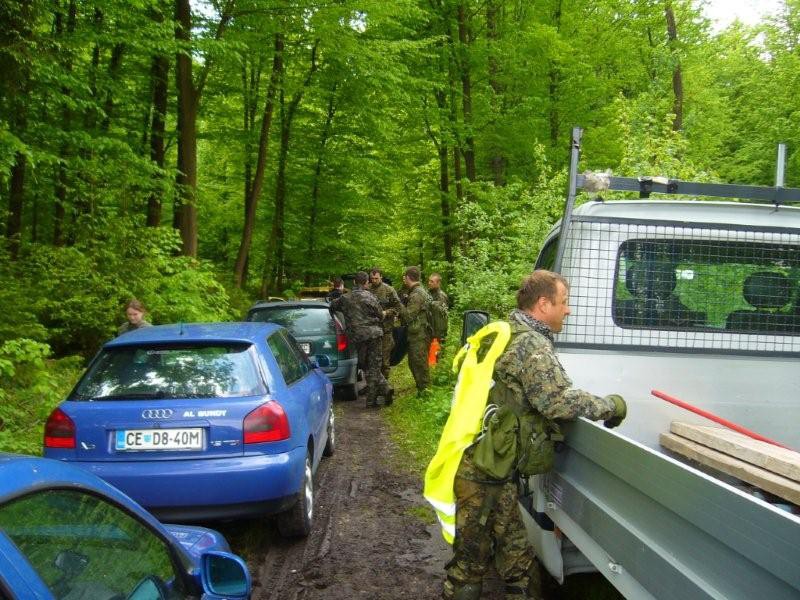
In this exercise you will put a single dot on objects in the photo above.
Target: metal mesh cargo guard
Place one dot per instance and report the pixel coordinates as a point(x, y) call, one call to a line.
point(670, 285)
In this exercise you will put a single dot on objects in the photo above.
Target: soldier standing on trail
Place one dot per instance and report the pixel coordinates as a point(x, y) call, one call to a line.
point(531, 391)
point(414, 316)
point(390, 303)
point(435, 290)
point(363, 320)
point(439, 308)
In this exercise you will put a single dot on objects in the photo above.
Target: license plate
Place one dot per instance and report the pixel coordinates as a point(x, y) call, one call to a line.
point(159, 439)
point(305, 347)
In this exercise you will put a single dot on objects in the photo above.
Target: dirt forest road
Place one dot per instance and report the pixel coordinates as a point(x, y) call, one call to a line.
point(368, 541)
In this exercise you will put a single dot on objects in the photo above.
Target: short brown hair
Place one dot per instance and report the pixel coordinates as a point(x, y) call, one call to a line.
point(536, 285)
point(135, 305)
point(374, 270)
point(360, 278)
point(413, 273)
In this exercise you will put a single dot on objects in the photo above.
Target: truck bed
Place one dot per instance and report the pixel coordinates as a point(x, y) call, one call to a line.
point(658, 528)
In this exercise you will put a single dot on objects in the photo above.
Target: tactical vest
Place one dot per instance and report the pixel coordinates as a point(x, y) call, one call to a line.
point(516, 437)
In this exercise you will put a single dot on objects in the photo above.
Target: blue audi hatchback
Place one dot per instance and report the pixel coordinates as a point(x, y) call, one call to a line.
point(202, 421)
point(65, 533)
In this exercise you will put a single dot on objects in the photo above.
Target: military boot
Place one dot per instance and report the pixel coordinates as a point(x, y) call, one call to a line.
point(461, 591)
point(388, 397)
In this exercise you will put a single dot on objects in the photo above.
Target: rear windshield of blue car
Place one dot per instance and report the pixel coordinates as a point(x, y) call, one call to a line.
point(171, 371)
point(300, 321)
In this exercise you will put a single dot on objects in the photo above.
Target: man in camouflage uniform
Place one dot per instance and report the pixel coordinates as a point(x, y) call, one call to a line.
point(363, 321)
point(528, 374)
point(435, 290)
point(390, 303)
point(440, 307)
point(414, 316)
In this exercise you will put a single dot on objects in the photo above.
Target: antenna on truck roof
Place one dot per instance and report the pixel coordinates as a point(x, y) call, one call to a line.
point(776, 195)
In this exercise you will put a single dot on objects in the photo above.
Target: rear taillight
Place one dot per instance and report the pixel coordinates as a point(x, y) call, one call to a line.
point(341, 338)
point(267, 423)
point(59, 431)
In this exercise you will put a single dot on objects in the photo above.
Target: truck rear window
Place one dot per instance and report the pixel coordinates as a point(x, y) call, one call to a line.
point(716, 285)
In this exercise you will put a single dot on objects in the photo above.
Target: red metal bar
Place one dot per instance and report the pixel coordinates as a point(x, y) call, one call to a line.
point(715, 418)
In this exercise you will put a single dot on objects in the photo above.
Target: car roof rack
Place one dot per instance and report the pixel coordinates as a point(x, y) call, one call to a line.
point(592, 182)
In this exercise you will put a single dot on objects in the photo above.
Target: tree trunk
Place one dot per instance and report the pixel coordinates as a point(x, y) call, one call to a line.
point(254, 191)
point(273, 264)
point(114, 66)
point(60, 206)
point(677, 77)
point(16, 202)
point(457, 174)
point(312, 220)
point(497, 161)
point(185, 213)
point(272, 278)
point(159, 73)
point(466, 93)
point(444, 180)
point(554, 79)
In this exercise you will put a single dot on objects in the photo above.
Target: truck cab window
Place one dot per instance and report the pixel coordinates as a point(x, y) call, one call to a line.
point(547, 257)
point(707, 284)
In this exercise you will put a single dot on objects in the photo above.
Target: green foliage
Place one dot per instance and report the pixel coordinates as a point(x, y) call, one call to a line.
point(31, 385)
point(73, 297)
point(503, 231)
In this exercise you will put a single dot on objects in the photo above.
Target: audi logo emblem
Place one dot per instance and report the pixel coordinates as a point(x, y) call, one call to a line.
point(157, 413)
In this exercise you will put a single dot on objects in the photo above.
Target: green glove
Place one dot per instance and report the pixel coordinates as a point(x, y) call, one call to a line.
point(620, 410)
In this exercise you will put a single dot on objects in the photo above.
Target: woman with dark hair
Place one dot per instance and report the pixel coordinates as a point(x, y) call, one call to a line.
point(134, 311)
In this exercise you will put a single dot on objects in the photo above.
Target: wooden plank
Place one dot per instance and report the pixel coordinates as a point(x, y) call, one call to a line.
point(766, 480)
point(761, 454)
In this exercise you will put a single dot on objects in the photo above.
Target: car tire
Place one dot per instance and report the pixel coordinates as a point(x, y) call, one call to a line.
point(296, 522)
point(330, 444)
point(348, 392)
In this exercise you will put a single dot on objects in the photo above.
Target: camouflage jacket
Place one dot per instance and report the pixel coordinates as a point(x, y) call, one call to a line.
point(389, 301)
point(438, 295)
point(362, 313)
point(530, 370)
point(414, 314)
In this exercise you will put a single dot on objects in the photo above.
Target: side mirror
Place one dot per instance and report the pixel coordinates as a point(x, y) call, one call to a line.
point(320, 360)
point(225, 575)
point(472, 321)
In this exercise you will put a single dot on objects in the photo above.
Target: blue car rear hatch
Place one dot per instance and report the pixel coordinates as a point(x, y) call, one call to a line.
point(165, 401)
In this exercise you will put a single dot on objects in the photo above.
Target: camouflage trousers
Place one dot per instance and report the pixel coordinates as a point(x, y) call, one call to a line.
point(370, 359)
point(418, 347)
point(388, 346)
point(489, 529)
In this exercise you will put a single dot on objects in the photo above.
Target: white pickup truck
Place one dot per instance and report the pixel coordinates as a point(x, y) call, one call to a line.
point(700, 300)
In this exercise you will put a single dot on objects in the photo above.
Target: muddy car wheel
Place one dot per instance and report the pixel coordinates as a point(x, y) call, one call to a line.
point(330, 445)
point(296, 522)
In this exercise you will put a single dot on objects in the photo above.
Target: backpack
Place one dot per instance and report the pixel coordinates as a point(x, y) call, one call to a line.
point(437, 319)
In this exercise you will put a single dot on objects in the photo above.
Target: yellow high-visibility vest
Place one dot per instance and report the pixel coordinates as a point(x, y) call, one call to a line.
point(465, 420)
